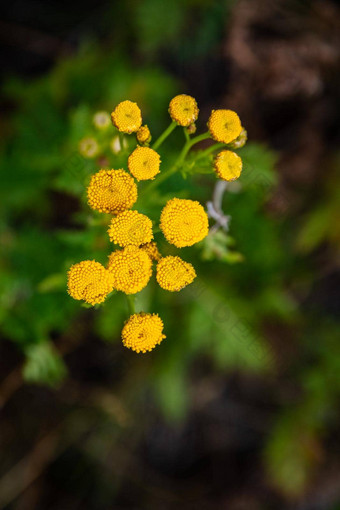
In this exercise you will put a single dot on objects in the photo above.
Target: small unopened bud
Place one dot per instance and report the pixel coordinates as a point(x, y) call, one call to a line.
point(240, 141)
point(88, 147)
point(144, 135)
point(101, 120)
point(191, 129)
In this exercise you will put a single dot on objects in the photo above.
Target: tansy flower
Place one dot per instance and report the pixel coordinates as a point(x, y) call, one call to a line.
point(224, 125)
point(88, 147)
point(143, 134)
point(90, 281)
point(183, 109)
point(228, 165)
point(127, 117)
point(152, 250)
point(174, 274)
point(130, 227)
point(111, 191)
point(184, 222)
point(101, 120)
point(144, 163)
point(142, 332)
point(131, 269)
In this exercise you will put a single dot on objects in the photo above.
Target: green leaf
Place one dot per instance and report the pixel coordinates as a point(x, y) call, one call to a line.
point(43, 365)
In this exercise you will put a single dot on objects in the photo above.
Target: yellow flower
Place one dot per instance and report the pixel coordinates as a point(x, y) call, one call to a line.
point(131, 269)
point(184, 222)
point(152, 250)
point(127, 117)
point(224, 125)
point(111, 191)
point(183, 109)
point(144, 163)
point(101, 120)
point(90, 281)
point(130, 227)
point(88, 147)
point(143, 134)
point(228, 165)
point(174, 274)
point(142, 332)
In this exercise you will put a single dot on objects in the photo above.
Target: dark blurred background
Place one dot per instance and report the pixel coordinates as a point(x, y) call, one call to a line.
point(239, 409)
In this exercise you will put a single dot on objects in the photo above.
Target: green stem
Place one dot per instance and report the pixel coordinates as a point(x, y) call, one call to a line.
point(190, 143)
point(186, 134)
point(121, 141)
point(165, 175)
point(164, 135)
point(209, 150)
point(130, 298)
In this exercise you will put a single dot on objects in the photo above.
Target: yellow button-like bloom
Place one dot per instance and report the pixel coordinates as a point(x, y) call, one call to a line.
point(183, 110)
point(143, 134)
point(89, 281)
point(152, 250)
point(127, 117)
point(88, 147)
point(142, 332)
point(184, 222)
point(224, 125)
point(228, 165)
point(174, 274)
point(111, 191)
point(131, 269)
point(130, 227)
point(144, 163)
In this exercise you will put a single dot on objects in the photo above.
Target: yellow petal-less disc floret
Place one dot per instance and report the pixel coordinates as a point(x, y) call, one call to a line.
point(127, 117)
point(228, 165)
point(184, 222)
point(142, 332)
point(143, 134)
point(224, 125)
point(152, 250)
point(183, 109)
point(111, 191)
point(90, 281)
point(131, 269)
point(130, 227)
point(144, 163)
point(173, 273)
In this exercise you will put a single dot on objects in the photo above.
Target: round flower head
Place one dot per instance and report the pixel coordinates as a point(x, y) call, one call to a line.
point(142, 332)
point(131, 269)
point(111, 191)
point(130, 227)
point(183, 109)
point(228, 165)
point(89, 281)
point(174, 274)
point(224, 125)
point(101, 120)
point(143, 134)
point(88, 147)
point(127, 117)
point(144, 163)
point(152, 250)
point(184, 222)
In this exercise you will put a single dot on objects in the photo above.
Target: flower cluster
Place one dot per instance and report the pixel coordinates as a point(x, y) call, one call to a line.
point(183, 222)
